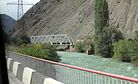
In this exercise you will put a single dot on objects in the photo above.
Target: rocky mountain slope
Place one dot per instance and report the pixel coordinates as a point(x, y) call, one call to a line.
point(124, 15)
point(76, 17)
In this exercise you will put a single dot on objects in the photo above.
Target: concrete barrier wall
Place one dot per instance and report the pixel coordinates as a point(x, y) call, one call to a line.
point(51, 81)
point(15, 67)
point(28, 75)
point(8, 62)
point(38, 65)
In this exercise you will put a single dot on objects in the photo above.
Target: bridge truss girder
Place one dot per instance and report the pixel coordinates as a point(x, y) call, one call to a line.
point(60, 39)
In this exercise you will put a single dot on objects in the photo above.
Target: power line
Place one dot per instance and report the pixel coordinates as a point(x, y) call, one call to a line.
point(20, 10)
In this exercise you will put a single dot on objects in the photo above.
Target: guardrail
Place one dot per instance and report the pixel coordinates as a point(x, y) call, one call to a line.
point(27, 75)
point(69, 74)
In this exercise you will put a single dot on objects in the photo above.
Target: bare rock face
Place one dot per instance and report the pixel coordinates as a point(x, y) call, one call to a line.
point(76, 17)
point(124, 15)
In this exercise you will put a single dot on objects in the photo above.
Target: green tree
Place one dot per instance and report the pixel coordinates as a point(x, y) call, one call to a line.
point(106, 42)
point(102, 36)
point(19, 40)
point(134, 50)
point(116, 34)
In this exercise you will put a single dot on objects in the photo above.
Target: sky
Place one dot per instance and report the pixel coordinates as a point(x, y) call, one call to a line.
point(11, 10)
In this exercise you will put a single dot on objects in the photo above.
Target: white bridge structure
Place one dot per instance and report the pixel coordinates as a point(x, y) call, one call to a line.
point(59, 39)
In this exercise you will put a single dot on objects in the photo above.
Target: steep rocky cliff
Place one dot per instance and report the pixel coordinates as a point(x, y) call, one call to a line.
point(76, 17)
point(124, 15)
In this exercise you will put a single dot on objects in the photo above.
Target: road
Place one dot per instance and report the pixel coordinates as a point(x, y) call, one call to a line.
point(13, 79)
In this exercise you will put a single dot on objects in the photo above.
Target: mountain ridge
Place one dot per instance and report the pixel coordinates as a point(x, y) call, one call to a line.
point(7, 22)
point(76, 17)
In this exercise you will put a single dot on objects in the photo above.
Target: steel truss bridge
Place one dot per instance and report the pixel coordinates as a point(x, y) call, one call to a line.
point(59, 39)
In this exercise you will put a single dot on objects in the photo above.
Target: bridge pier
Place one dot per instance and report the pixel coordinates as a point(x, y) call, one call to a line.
point(71, 48)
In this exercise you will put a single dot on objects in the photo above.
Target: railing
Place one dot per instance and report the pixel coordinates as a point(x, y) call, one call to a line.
point(71, 74)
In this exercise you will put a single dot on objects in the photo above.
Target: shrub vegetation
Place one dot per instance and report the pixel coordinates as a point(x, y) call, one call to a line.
point(44, 51)
point(85, 44)
point(127, 50)
point(134, 49)
point(80, 46)
point(122, 50)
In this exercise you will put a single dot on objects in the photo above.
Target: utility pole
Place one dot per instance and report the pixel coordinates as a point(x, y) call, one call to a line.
point(20, 8)
point(20, 13)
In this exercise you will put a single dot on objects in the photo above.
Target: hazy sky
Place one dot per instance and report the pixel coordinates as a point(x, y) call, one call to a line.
point(11, 10)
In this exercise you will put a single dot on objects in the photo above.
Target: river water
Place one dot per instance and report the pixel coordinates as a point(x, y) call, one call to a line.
point(97, 63)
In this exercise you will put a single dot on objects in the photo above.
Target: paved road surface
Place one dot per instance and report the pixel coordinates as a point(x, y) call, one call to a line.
point(13, 79)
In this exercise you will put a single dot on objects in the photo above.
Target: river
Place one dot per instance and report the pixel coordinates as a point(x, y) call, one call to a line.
point(97, 63)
